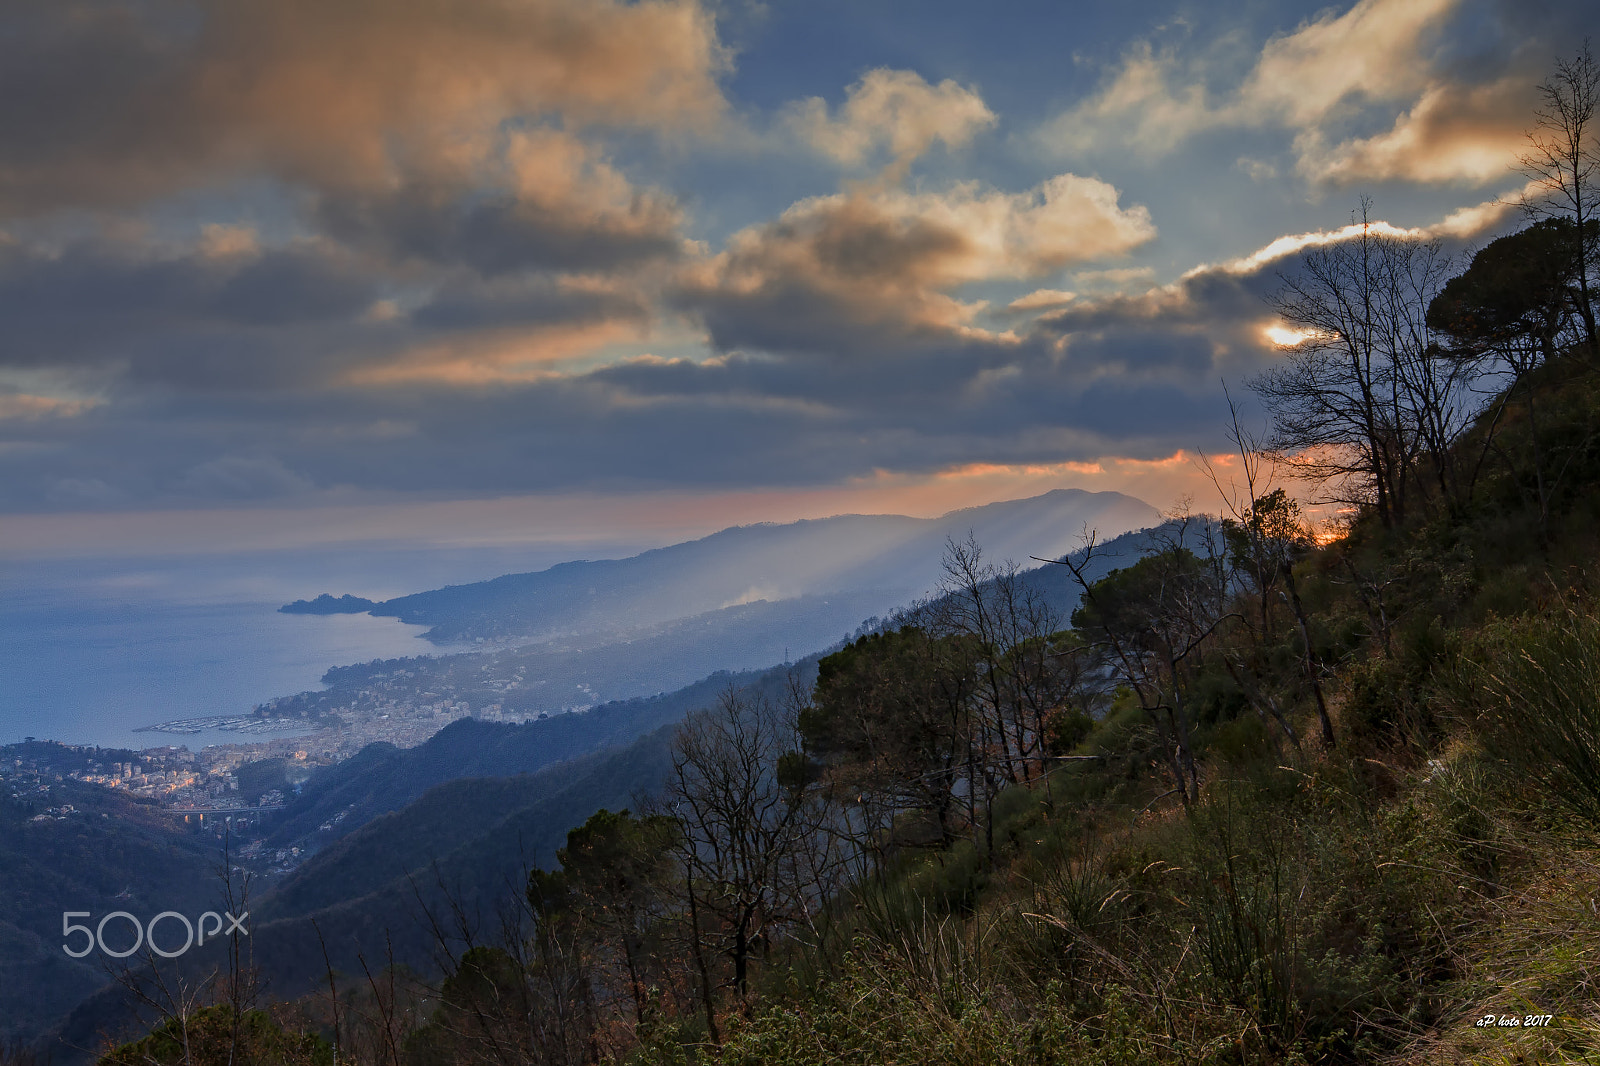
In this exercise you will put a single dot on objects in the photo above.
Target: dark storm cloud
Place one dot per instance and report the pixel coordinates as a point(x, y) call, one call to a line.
point(93, 290)
point(1122, 375)
point(468, 303)
point(294, 318)
point(96, 103)
point(501, 233)
point(170, 314)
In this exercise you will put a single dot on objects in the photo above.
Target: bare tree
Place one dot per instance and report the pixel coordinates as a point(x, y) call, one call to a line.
point(1365, 393)
point(1012, 623)
point(1266, 537)
point(746, 830)
point(1562, 160)
point(15, 1052)
point(1022, 676)
point(178, 996)
point(243, 980)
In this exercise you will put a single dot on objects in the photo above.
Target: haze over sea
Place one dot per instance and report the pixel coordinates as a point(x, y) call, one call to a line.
point(96, 648)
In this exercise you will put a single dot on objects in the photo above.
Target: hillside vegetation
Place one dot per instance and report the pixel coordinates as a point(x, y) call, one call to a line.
point(1271, 794)
point(82, 847)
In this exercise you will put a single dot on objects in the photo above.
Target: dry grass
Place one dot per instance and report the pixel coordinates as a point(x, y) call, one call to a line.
point(1535, 950)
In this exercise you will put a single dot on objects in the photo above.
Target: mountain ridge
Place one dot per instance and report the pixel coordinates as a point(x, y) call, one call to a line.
point(744, 563)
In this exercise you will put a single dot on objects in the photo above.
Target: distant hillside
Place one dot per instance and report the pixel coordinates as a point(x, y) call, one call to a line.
point(759, 562)
point(417, 813)
point(112, 853)
point(483, 801)
point(556, 676)
point(369, 895)
point(383, 778)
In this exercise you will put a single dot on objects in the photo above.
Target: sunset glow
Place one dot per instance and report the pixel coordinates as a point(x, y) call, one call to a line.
point(587, 249)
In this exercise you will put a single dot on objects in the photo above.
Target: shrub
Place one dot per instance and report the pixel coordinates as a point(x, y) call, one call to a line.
point(210, 1037)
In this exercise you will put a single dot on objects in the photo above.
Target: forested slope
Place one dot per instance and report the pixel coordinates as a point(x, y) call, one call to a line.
point(1266, 791)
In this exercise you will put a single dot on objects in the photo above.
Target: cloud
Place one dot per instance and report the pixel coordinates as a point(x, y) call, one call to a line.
point(548, 201)
point(895, 110)
point(1151, 104)
point(1114, 277)
point(114, 104)
point(226, 314)
point(84, 492)
point(241, 477)
point(468, 303)
point(1456, 121)
point(1463, 223)
point(1041, 298)
point(1214, 320)
point(184, 314)
point(461, 265)
point(221, 241)
point(1481, 218)
point(1375, 51)
point(452, 214)
point(1454, 132)
point(494, 356)
point(1378, 50)
point(25, 406)
point(856, 271)
point(1101, 390)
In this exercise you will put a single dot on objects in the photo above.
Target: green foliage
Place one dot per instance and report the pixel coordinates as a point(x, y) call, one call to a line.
point(891, 711)
point(1240, 743)
point(1215, 697)
point(615, 862)
point(1066, 729)
point(1128, 600)
point(261, 776)
point(1516, 292)
point(1538, 679)
point(1271, 536)
point(868, 1018)
point(1383, 699)
point(210, 1037)
point(479, 1007)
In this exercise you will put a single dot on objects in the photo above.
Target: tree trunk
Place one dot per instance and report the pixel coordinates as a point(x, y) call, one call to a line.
point(1310, 658)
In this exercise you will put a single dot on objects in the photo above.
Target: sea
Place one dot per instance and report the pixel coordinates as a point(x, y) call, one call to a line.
point(93, 649)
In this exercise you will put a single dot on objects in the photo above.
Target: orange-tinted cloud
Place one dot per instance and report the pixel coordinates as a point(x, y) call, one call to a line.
point(1463, 223)
point(1156, 99)
point(888, 260)
point(1042, 299)
point(495, 356)
point(577, 521)
point(23, 406)
point(1312, 82)
point(149, 98)
point(1164, 482)
point(542, 199)
point(1453, 133)
point(1377, 50)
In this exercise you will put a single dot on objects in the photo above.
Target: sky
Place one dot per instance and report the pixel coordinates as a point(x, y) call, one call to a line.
point(282, 273)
